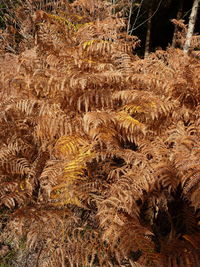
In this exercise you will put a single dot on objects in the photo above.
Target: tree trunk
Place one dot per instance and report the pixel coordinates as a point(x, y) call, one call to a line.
point(192, 21)
point(148, 35)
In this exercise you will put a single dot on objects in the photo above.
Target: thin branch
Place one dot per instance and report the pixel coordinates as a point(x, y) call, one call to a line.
point(137, 16)
point(133, 29)
point(187, 13)
point(129, 17)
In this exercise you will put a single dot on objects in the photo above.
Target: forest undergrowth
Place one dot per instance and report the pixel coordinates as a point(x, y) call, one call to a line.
point(99, 149)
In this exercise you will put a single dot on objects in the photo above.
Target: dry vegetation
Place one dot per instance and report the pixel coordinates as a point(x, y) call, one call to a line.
point(99, 149)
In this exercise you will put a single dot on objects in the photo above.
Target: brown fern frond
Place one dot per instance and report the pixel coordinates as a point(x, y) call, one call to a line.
point(179, 23)
point(116, 212)
point(180, 253)
point(143, 102)
point(166, 178)
point(52, 172)
point(99, 149)
point(186, 159)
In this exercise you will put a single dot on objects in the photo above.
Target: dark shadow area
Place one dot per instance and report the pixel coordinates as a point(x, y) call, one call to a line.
point(162, 29)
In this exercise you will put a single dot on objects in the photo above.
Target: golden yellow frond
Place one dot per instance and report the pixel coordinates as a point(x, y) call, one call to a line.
point(60, 19)
point(71, 146)
point(132, 109)
point(131, 128)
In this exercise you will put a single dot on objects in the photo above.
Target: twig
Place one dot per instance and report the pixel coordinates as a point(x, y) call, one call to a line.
point(133, 29)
